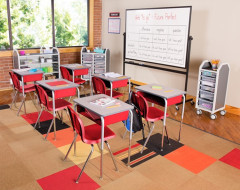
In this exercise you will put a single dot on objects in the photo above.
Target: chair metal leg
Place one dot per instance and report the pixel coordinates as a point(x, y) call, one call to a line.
point(89, 156)
point(49, 129)
point(14, 99)
point(180, 131)
point(167, 135)
point(114, 162)
point(23, 101)
point(37, 122)
point(147, 138)
point(73, 142)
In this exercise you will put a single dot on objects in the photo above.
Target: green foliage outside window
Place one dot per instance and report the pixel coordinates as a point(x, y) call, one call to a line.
point(4, 38)
point(31, 23)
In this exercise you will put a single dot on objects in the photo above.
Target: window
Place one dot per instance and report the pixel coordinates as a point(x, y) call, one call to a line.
point(4, 33)
point(32, 25)
point(71, 23)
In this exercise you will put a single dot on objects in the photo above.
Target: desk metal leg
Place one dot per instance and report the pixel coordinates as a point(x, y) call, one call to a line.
point(102, 146)
point(78, 93)
point(181, 118)
point(111, 90)
point(130, 138)
point(90, 80)
point(164, 123)
point(54, 114)
point(129, 88)
point(23, 102)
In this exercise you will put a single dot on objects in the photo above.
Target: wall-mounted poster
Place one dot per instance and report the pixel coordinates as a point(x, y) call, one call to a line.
point(114, 25)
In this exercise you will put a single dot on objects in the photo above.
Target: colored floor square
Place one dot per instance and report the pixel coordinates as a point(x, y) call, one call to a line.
point(63, 137)
point(82, 152)
point(32, 117)
point(3, 107)
point(65, 179)
point(232, 158)
point(154, 144)
point(190, 159)
point(46, 124)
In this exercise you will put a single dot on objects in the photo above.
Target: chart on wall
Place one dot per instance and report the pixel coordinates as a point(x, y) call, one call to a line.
point(158, 35)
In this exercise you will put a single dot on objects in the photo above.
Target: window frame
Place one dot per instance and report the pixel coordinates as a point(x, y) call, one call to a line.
point(53, 28)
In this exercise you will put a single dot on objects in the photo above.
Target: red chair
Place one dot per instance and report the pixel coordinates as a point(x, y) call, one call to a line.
point(90, 134)
point(60, 104)
point(18, 89)
point(100, 88)
point(150, 114)
point(66, 75)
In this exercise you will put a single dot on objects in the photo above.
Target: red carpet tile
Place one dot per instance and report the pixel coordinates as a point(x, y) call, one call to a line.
point(65, 179)
point(232, 158)
point(32, 117)
point(63, 137)
point(190, 159)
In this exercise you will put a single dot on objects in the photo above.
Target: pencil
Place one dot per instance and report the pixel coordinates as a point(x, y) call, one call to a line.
point(168, 91)
point(114, 106)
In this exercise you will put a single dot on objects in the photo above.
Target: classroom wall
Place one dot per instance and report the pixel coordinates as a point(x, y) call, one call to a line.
point(216, 34)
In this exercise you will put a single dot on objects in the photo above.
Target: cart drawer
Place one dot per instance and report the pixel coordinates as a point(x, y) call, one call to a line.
point(207, 88)
point(209, 79)
point(206, 95)
point(207, 83)
point(209, 74)
point(205, 104)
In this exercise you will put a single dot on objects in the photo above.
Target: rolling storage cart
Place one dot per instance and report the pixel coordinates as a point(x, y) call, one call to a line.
point(99, 62)
point(212, 88)
point(47, 60)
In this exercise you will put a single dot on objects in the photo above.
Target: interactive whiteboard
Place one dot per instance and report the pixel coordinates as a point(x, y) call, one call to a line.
point(158, 35)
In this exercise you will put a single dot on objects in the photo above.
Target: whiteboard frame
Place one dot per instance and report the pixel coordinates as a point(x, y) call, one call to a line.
point(188, 36)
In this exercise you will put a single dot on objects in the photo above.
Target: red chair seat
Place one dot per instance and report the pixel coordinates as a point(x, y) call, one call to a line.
point(59, 104)
point(93, 134)
point(115, 94)
point(27, 88)
point(79, 81)
point(154, 114)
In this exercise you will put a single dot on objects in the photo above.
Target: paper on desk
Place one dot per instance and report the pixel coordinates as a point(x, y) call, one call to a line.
point(112, 74)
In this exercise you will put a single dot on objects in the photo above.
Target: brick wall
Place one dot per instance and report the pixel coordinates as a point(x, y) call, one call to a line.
point(6, 63)
point(97, 24)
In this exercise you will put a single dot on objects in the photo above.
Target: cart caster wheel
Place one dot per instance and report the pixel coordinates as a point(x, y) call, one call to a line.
point(223, 112)
point(177, 108)
point(213, 116)
point(199, 112)
point(192, 102)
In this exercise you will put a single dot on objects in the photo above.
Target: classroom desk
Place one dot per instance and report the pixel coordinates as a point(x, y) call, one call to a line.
point(26, 76)
point(166, 93)
point(102, 112)
point(115, 82)
point(58, 88)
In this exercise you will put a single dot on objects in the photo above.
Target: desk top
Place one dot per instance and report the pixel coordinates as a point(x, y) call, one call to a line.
point(163, 91)
point(75, 66)
point(111, 79)
point(57, 84)
point(103, 110)
point(23, 72)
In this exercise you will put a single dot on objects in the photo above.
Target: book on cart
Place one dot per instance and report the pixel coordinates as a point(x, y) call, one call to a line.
point(102, 101)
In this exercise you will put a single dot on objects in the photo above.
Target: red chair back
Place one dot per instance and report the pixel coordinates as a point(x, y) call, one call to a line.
point(15, 80)
point(42, 96)
point(77, 123)
point(143, 105)
point(98, 85)
point(65, 73)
